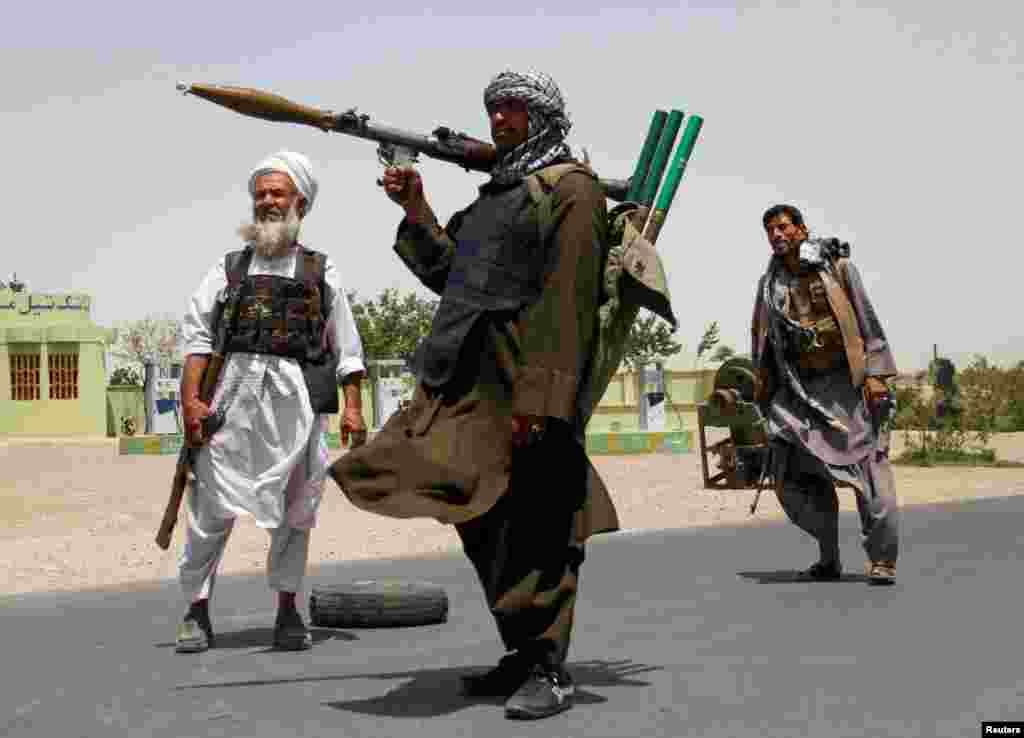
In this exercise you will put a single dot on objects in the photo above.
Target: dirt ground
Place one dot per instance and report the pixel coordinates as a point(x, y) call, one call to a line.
point(80, 516)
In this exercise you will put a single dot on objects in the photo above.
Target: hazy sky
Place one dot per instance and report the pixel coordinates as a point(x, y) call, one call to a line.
point(897, 129)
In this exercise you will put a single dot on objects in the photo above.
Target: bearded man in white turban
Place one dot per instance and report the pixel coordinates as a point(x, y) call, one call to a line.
point(493, 439)
point(286, 327)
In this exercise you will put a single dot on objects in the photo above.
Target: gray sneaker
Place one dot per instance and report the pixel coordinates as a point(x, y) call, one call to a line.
point(501, 681)
point(822, 571)
point(192, 637)
point(545, 692)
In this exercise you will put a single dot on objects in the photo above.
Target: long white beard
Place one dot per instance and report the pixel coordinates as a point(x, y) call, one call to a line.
point(273, 236)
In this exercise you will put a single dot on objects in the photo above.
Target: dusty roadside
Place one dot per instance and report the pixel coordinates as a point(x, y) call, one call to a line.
point(80, 516)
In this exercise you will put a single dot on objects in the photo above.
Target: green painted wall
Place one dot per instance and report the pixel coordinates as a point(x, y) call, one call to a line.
point(125, 402)
point(618, 410)
point(44, 324)
point(55, 322)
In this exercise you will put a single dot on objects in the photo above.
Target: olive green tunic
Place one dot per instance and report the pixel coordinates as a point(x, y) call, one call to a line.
point(522, 514)
point(448, 454)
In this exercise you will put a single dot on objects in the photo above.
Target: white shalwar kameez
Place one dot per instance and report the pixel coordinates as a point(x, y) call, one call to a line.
point(269, 459)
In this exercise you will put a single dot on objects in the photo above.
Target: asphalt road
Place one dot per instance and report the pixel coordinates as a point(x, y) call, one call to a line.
point(679, 633)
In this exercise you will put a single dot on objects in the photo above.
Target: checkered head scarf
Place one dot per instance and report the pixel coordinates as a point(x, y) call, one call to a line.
point(548, 126)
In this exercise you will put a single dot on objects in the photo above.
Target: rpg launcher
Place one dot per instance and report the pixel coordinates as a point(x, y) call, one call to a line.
point(395, 146)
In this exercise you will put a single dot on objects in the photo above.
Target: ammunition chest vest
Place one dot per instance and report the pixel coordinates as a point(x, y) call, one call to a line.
point(284, 316)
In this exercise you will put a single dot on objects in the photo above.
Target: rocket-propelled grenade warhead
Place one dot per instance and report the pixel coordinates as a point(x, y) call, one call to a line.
point(260, 104)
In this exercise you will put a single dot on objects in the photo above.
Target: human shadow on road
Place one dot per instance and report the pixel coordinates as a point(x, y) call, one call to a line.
point(436, 692)
point(264, 636)
point(789, 576)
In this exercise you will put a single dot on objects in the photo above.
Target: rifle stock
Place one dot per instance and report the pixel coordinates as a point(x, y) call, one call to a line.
point(181, 477)
point(210, 378)
point(183, 470)
point(443, 144)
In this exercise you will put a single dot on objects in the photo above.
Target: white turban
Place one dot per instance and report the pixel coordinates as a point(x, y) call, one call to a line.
point(293, 164)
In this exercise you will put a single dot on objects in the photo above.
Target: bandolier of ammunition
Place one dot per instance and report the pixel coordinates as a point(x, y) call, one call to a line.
point(809, 305)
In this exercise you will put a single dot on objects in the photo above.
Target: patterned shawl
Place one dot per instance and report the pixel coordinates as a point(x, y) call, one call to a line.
point(548, 124)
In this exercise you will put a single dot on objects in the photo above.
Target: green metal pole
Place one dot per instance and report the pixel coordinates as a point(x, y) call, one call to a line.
point(661, 154)
point(643, 163)
point(674, 177)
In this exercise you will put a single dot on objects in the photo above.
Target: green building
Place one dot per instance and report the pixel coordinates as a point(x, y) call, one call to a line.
point(52, 377)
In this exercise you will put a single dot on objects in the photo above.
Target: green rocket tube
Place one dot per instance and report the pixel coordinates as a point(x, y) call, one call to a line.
point(674, 177)
point(675, 171)
point(661, 154)
point(643, 164)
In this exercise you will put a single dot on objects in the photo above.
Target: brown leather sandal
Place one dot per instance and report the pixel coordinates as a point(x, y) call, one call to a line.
point(882, 572)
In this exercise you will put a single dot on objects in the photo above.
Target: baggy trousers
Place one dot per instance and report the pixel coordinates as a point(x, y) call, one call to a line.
point(210, 526)
point(523, 548)
point(806, 489)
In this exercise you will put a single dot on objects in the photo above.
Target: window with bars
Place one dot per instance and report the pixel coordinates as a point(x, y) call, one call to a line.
point(24, 376)
point(63, 375)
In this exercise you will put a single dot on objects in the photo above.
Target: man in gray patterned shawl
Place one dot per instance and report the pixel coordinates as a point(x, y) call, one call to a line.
point(493, 439)
point(823, 360)
point(537, 96)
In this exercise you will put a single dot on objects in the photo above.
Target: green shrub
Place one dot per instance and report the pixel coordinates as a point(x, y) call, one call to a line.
point(125, 376)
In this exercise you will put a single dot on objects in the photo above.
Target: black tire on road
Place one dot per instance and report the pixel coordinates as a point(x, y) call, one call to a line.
point(378, 603)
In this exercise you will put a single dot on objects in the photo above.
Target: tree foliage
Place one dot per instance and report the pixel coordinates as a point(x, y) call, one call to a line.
point(709, 340)
point(996, 394)
point(723, 353)
point(987, 398)
point(649, 341)
point(929, 437)
point(391, 325)
point(154, 339)
point(125, 376)
point(990, 397)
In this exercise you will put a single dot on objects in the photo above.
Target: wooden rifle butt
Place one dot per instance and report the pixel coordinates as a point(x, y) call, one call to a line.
point(211, 375)
point(178, 485)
